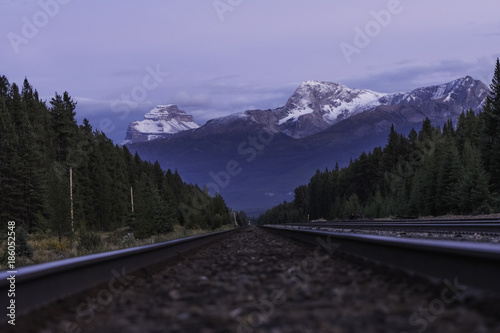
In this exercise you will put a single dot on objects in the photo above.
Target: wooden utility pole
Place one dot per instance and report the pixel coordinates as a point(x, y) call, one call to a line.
point(71, 197)
point(132, 197)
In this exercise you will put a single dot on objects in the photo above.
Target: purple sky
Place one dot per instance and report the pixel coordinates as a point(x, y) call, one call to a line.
point(120, 58)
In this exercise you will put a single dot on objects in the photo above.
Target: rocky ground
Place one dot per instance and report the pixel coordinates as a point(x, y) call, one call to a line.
point(259, 282)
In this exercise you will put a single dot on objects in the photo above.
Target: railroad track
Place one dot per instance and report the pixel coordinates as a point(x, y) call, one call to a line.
point(255, 281)
point(484, 226)
point(41, 284)
point(475, 264)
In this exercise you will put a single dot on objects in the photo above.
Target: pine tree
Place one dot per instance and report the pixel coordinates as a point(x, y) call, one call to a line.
point(412, 139)
point(491, 123)
point(64, 124)
point(427, 131)
point(35, 164)
point(152, 215)
point(468, 127)
point(450, 170)
point(376, 208)
point(58, 200)
point(301, 201)
point(352, 207)
point(19, 120)
point(473, 189)
point(493, 107)
point(448, 129)
point(9, 166)
point(392, 149)
point(4, 87)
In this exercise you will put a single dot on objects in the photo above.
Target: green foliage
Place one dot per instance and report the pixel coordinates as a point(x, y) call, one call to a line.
point(242, 219)
point(89, 242)
point(39, 143)
point(352, 207)
point(23, 249)
point(376, 207)
point(152, 215)
point(282, 214)
point(490, 131)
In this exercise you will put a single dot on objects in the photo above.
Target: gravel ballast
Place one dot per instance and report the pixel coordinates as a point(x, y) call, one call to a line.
point(255, 281)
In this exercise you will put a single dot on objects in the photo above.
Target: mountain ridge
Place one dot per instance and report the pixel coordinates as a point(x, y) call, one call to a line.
point(317, 105)
point(281, 164)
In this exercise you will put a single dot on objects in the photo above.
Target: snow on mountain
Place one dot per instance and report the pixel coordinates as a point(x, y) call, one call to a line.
point(463, 88)
point(317, 105)
point(160, 122)
point(331, 100)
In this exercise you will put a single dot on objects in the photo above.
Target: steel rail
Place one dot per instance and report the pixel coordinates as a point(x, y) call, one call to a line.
point(476, 265)
point(480, 226)
point(41, 284)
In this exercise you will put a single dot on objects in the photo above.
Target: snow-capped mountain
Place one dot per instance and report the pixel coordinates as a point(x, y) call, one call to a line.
point(257, 158)
point(160, 122)
point(317, 105)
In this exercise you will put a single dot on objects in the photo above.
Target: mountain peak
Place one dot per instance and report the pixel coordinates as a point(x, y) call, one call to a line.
point(319, 84)
point(160, 122)
point(163, 111)
point(320, 104)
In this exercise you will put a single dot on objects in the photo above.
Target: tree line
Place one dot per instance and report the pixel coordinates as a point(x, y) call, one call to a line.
point(435, 171)
point(41, 144)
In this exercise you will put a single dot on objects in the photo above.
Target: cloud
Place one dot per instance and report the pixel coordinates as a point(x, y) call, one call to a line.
point(494, 34)
point(184, 99)
point(410, 74)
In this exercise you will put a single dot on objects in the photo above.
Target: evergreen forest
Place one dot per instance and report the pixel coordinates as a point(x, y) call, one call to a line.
point(435, 171)
point(42, 149)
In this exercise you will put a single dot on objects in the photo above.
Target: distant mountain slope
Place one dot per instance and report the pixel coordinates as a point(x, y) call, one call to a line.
point(160, 122)
point(256, 158)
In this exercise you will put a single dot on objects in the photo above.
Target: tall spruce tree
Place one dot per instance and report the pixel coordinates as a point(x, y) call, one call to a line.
point(64, 124)
point(472, 189)
point(448, 175)
point(491, 126)
point(9, 166)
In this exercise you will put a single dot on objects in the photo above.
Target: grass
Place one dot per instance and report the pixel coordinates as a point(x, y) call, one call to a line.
point(47, 247)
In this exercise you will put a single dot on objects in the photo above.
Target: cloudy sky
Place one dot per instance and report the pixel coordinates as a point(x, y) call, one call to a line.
point(119, 58)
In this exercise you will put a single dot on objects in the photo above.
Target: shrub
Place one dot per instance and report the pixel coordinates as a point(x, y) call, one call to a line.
point(23, 249)
point(89, 241)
